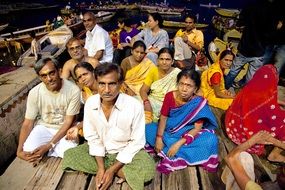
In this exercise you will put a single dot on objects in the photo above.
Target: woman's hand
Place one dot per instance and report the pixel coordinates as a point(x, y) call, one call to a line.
point(174, 148)
point(159, 144)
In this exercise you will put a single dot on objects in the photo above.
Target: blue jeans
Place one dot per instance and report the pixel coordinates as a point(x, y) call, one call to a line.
point(239, 61)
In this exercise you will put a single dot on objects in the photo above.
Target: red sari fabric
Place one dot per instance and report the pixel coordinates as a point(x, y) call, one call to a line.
point(255, 108)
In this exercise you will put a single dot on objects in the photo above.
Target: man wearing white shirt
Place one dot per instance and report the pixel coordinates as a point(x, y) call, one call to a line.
point(98, 42)
point(114, 127)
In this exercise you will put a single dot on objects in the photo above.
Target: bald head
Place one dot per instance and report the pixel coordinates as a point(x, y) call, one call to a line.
point(89, 21)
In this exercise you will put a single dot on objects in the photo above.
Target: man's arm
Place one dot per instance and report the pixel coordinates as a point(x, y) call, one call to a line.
point(65, 74)
point(40, 151)
point(235, 165)
point(99, 55)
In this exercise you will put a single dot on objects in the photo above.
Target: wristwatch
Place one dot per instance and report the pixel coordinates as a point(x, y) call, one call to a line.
point(52, 145)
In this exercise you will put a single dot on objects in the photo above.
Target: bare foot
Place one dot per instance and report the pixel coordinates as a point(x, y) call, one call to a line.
point(121, 180)
point(276, 158)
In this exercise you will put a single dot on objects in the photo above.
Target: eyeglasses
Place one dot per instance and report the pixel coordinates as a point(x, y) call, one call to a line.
point(74, 48)
point(110, 85)
point(50, 74)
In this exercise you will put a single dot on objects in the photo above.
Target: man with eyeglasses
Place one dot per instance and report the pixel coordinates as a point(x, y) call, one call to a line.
point(76, 52)
point(51, 109)
point(98, 42)
point(114, 127)
point(187, 41)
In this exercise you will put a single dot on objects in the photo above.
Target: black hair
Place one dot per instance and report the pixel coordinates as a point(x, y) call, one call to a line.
point(192, 16)
point(226, 52)
point(192, 74)
point(42, 62)
point(157, 17)
point(106, 68)
point(139, 43)
point(84, 65)
point(166, 50)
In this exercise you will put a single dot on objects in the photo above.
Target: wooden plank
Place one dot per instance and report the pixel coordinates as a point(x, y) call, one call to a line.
point(155, 183)
point(47, 176)
point(181, 179)
point(114, 186)
point(266, 168)
point(92, 184)
point(73, 180)
point(17, 174)
point(205, 180)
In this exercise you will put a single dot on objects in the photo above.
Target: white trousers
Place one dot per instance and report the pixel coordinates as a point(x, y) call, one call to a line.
point(41, 135)
point(181, 50)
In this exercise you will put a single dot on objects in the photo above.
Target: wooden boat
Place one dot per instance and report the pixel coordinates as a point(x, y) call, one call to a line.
point(225, 20)
point(104, 16)
point(110, 8)
point(52, 45)
point(23, 36)
point(159, 8)
point(227, 12)
point(177, 24)
point(210, 5)
point(3, 26)
point(168, 12)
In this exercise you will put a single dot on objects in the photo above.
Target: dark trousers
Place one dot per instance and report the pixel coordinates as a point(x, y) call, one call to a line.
point(120, 54)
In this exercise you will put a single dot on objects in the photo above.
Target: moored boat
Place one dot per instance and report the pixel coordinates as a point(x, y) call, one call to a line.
point(52, 45)
point(225, 19)
point(3, 26)
point(227, 12)
point(104, 16)
point(23, 36)
point(176, 24)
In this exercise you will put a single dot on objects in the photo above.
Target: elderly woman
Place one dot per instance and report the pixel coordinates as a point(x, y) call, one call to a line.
point(158, 82)
point(153, 36)
point(213, 84)
point(185, 132)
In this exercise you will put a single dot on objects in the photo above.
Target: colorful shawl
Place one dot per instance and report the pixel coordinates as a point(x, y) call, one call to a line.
point(255, 108)
point(135, 77)
point(208, 91)
point(159, 88)
point(202, 151)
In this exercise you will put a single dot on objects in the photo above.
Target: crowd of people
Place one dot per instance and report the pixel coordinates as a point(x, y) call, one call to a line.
point(145, 97)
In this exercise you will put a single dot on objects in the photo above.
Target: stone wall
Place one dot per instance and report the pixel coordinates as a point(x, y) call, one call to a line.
point(10, 124)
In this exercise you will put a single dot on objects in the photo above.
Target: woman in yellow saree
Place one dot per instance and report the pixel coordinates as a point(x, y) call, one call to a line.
point(135, 69)
point(213, 84)
point(159, 81)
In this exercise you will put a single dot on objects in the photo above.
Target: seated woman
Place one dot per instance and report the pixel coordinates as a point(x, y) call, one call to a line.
point(153, 36)
point(256, 108)
point(185, 133)
point(158, 82)
point(84, 73)
point(213, 84)
point(135, 69)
